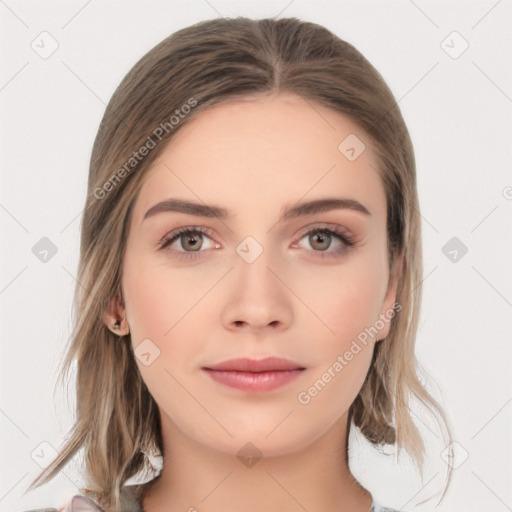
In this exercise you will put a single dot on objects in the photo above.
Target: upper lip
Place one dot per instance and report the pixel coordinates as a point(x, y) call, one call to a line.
point(256, 365)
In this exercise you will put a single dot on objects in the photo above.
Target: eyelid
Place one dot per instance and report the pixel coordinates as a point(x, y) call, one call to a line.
point(325, 225)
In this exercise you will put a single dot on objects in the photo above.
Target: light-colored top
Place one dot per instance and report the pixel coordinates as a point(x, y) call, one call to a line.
point(91, 502)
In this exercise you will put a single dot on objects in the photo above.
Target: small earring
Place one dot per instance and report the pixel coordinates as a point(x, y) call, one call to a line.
point(115, 327)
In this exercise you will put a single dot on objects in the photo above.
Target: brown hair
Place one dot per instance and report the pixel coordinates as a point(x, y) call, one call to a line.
point(213, 62)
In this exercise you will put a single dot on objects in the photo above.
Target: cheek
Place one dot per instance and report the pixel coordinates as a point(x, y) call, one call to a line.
point(166, 306)
point(348, 299)
point(159, 307)
point(157, 298)
point(150, 305)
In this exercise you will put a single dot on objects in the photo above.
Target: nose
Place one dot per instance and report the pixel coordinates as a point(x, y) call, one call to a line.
point(257, 298)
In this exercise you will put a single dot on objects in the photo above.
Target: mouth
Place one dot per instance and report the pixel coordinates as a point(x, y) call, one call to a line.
point(253, 375)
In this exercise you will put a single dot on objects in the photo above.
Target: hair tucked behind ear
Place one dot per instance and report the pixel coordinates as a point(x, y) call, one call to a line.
point(210, 63)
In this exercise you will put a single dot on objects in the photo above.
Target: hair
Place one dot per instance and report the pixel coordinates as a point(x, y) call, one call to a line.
point(210, 63)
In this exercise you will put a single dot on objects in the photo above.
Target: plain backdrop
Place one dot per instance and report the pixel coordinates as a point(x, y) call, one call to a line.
point(448, 65)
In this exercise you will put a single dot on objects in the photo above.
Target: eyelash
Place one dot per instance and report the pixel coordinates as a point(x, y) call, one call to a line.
point(348, 241)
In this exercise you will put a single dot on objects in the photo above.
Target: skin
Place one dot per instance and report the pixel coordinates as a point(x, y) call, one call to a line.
point(256, 157)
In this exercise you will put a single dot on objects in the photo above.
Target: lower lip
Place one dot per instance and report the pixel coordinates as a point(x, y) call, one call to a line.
point(252, 381)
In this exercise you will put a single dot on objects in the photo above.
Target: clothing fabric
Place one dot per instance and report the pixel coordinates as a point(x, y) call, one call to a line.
point(90, 502)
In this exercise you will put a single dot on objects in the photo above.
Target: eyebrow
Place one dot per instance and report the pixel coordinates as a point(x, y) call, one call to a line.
point(298, 210)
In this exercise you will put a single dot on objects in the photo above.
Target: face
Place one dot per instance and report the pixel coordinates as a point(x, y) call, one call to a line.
point(260, 278)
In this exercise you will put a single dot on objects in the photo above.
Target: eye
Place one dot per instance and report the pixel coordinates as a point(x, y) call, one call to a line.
point(190, 239)
point(322, 239)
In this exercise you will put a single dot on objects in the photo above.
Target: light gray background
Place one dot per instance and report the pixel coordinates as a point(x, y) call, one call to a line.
point(458, 111)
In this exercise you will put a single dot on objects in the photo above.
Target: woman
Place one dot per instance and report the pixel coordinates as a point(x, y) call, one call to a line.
point(249, 277)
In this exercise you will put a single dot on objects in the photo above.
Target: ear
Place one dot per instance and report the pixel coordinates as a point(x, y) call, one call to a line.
point(389, 306)
point(115, 316)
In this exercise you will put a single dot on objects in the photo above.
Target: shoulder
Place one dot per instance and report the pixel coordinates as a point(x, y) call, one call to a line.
point(379, 508)
point(42, 510)
point(88, 501)
point(78, 502)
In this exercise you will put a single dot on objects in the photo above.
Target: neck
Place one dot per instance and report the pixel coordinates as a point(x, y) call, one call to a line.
point(196, 477)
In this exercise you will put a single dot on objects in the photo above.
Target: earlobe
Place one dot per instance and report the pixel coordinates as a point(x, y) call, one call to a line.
point(115, 316)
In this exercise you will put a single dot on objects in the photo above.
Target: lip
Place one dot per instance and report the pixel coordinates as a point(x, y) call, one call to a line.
point(245, 364)
point(253, 375)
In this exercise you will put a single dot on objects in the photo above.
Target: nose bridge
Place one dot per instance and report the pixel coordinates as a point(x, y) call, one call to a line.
point(256, 259)
point(257, 297)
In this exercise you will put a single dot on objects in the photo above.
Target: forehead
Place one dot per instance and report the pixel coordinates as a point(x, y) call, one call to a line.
point(260, 153)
